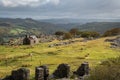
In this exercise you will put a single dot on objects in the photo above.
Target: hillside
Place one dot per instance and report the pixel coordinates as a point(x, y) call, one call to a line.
point(14, 57)
point(99, 26)
point(18, 27)
point(76, 20)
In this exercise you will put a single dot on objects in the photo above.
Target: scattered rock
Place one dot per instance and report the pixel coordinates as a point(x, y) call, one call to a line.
point(114, 42)
point(66, 43)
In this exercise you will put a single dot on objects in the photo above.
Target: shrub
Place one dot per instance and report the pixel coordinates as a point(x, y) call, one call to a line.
point(108, 70)
point(88, 34)
point(67, 36)
point(59, 33)
point(112, 32)
point(74, 31)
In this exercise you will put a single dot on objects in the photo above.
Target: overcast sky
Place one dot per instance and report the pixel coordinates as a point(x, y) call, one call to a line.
point(44, 9)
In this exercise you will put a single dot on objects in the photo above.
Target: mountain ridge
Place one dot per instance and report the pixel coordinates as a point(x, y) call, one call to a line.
point(20, 26)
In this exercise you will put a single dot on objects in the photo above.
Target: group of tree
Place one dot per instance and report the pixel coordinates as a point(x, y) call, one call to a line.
point(65, 35)
point(87, 34)
point(74, 32)
point(112, 32)
point(59, 33)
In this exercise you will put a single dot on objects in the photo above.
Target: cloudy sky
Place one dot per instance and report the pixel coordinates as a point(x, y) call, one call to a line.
point(44, 9)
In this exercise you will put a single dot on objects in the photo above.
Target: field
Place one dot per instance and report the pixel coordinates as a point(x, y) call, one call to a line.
point(17, 30)
point(93, 51)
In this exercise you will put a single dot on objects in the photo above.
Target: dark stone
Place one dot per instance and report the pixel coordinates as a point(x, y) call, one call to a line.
point(15, 75)
point(62, 71)
point(39, 73)
point(83, 69)
point(8, 78)
point(46, 72)
point(20, 74)
point(42, 73)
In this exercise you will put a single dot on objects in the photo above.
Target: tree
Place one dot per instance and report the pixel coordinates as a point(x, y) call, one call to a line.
point(74, 31)
point(85, 34)
point(88, 34)
point(112, 32)
point(1, 40)
point(59, 33)
point(67, 36)
point(94, 34)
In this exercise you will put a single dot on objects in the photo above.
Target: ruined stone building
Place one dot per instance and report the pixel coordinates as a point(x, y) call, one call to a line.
point(30, 40)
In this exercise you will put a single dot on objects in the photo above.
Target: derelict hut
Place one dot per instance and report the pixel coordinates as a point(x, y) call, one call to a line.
point(26, 40)
point(30, 40)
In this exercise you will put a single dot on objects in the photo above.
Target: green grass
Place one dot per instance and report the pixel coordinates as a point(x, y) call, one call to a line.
point(107, 70)
point(73, 54)
point(16, 31)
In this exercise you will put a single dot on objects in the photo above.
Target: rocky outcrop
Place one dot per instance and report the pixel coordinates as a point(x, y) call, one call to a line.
point(114, 42)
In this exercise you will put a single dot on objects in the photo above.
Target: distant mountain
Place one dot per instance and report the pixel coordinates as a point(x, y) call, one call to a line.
point(63, 21)
point(99, 26)
point(28, 25)
point(68, 26)
point(18, 26)
point(77, 21)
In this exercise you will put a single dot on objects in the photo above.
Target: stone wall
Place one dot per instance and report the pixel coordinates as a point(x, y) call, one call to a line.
point(42, 73)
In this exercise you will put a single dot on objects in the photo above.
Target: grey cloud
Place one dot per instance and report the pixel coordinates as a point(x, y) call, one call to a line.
point(67, 8)
point(31, 3)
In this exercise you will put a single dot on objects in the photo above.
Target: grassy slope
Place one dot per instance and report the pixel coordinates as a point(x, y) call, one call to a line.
point(42, 54)
point(17, 30)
